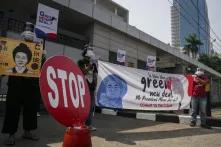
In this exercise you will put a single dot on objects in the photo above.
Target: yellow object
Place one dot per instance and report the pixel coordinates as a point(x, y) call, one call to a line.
point(207, 87)
point(20, 67)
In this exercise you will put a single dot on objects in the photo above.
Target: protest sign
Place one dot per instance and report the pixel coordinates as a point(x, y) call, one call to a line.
point(20, 58)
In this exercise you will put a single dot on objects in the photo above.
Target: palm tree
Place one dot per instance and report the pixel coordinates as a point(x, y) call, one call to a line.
point(192, 44)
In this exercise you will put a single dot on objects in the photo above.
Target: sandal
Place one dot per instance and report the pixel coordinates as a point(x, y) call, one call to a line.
point(30, 136)
point(10, 140)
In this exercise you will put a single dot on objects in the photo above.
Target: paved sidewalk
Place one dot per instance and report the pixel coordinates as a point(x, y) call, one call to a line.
point(176, 117)
point(115, 131)
point(49, 130)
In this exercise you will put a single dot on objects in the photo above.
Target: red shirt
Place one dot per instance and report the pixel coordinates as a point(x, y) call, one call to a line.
point(198, 88)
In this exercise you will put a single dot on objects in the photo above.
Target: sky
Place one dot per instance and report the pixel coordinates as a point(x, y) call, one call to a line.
point(153, 17)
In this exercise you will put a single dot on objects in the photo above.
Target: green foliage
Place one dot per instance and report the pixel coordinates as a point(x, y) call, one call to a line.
point(192, 44)
point(212, 61)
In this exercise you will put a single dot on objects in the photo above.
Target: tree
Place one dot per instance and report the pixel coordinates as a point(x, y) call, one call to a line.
point(192, 44)
point(205, 59)
point(212, 61)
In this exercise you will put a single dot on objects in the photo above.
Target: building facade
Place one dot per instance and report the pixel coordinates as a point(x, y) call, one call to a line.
point(188, 17)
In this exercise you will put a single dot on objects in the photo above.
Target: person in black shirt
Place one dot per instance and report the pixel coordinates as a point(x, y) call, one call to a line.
point(20, 97)
point(89, 68)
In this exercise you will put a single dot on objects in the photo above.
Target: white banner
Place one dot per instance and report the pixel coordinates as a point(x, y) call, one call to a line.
point(129, 88)
point(47, 21)
point(121, 55)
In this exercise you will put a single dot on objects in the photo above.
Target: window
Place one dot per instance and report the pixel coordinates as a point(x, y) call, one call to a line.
point(113, 57)
point(141, 64)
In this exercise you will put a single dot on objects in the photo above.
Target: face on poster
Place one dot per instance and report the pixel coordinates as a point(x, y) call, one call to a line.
point(121, 55)
point(20, 58)
point(151, 61)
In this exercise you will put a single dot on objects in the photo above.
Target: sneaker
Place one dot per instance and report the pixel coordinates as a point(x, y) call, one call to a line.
point(10, 140)
point(30, 136)
point(91, 128)
point(192, 124)
point(38, 114)
point(206, 126)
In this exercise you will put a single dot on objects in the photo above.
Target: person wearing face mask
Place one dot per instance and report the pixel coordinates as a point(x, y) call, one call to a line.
point(199, 100)
point(88, 66)
point(20, 97)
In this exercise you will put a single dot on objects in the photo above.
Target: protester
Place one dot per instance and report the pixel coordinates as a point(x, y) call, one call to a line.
point(199, 98)
point(19, 97)
point(89, 68)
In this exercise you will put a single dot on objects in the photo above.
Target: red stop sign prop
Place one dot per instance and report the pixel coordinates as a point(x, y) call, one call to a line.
point(65, 91)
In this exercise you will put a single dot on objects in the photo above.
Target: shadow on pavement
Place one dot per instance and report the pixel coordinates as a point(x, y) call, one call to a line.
point(123, 130)
point(49, 131)
point(111, 128)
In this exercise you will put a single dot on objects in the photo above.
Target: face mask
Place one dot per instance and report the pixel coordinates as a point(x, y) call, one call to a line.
point(90, 54)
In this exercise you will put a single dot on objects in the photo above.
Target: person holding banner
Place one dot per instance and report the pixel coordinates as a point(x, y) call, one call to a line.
point(199, 99)
point(20, 97)
point(89, 68)
point(22, 56)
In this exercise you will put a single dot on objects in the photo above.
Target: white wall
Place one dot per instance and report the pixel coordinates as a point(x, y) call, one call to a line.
point(107, 39)
point(53, 49)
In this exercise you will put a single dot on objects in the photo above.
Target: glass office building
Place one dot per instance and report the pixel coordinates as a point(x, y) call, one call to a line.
point(190, 16)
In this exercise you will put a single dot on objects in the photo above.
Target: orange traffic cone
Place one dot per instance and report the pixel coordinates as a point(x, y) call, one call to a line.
point(77, 136)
